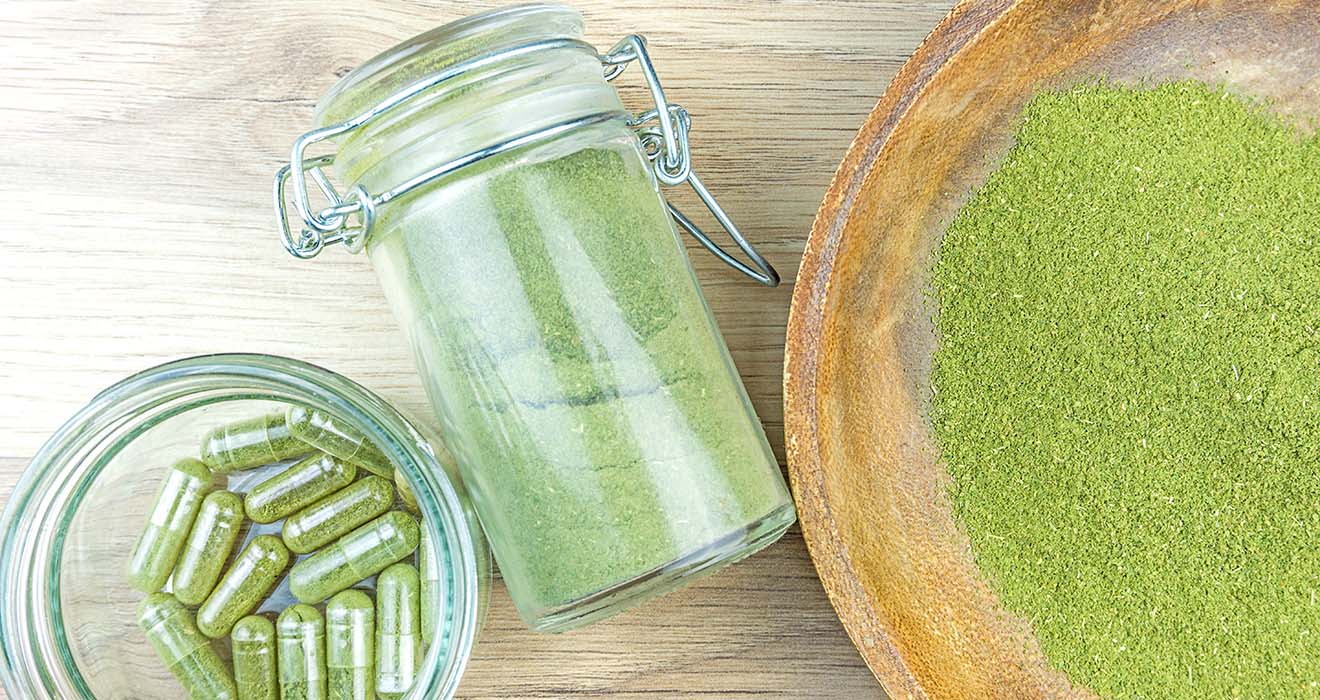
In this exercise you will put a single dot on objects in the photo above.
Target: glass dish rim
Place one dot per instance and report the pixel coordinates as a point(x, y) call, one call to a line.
point(25, 604)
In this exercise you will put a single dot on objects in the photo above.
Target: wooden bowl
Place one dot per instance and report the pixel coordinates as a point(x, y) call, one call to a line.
point(870, 488)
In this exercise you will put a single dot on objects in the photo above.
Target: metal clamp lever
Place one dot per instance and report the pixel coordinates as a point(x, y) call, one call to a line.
point(663, 132)
point(666, 144)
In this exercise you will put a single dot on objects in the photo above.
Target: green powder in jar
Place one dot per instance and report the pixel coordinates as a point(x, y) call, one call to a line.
point(1127, 390)
point(576, 372)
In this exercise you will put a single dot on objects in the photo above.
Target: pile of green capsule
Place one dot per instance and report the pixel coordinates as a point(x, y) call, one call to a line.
point(345, 519)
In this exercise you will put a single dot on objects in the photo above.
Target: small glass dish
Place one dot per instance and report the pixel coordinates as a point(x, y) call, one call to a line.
point(68, 616)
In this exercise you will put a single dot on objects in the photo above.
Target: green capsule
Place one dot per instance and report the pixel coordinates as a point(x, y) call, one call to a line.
point(186, 653)
point(246, 584)
point(398, 630)
point(337, 437)
point(251, 443)
point(350, 623)
point(359, 555)
point(253, 648)
point(171, 519)
point(209, 546)
point(405, 492)
point(336, 515)
point(297, 487)
point(301, 634)
point(435, 594)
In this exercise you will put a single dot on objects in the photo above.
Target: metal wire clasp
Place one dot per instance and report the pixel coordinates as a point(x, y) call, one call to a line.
point(663, 132)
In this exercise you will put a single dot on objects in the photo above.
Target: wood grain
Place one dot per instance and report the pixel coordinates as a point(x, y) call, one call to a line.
point(135, 161)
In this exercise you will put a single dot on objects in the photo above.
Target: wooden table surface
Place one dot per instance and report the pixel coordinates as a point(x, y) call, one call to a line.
point(136, 153)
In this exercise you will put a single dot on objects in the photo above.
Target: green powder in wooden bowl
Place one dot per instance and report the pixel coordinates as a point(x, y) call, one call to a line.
point(1127, 390)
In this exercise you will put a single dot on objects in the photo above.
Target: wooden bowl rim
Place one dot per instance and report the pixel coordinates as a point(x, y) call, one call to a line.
point(871, 635)
point(888, 635)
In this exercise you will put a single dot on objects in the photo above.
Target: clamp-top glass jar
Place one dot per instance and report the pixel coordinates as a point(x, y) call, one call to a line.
point(511, 207)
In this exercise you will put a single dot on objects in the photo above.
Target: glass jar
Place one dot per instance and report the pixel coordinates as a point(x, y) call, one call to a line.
point(68, 615)
point(524, 244)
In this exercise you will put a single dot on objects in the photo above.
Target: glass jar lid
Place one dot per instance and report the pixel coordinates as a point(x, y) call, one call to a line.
point(449, 60)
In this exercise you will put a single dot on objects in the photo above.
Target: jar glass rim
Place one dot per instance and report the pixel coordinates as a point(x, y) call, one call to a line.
point(46, 496)
point(349, 95)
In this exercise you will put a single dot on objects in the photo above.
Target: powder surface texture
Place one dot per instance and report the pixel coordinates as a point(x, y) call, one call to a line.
point(1127, 390)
